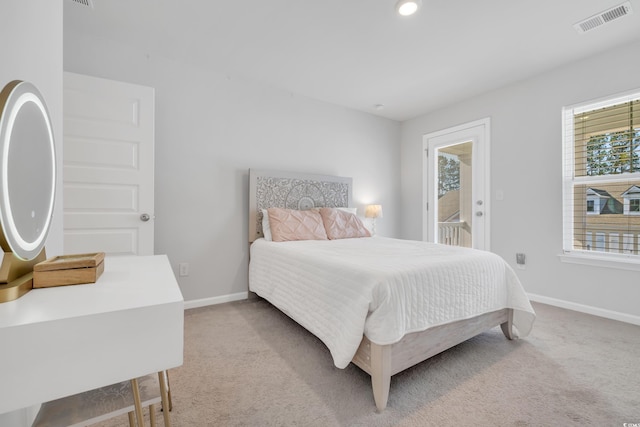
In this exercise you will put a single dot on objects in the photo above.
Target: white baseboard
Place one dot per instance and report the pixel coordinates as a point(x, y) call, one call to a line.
point(608, 314)
point(215, 300)
point(601, 312)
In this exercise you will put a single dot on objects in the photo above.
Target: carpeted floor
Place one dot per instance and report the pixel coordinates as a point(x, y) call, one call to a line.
point(247, 364)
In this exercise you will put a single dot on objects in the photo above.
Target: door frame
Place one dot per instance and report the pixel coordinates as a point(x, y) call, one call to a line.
point(479, 132)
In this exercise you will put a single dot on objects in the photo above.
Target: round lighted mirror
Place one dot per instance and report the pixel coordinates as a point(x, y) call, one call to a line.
point(27, 170)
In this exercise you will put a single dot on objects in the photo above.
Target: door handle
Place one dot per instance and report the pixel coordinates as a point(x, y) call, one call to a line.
point(145, 217)
point(479, 213)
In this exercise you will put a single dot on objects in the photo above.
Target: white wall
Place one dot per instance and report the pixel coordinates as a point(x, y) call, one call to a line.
point(31, 34)
point(32, 51)
point(210, 129)
point(526, 145)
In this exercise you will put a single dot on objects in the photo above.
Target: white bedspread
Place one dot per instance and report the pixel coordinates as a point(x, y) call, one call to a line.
point(384, 288)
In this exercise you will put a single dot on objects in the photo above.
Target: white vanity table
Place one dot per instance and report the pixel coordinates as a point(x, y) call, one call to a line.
point(59, 341)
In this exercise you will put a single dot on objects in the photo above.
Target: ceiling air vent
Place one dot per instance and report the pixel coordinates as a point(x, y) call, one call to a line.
point(603, 17)
point(87, 3)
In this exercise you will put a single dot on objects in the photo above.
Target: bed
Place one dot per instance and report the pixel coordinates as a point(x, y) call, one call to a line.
point(383, 304)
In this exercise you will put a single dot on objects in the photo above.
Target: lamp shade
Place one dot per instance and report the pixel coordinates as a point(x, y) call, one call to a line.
point(373, 211)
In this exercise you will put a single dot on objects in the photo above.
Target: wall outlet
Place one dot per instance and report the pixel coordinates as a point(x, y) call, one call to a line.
point(521, 260)
point(183, 268)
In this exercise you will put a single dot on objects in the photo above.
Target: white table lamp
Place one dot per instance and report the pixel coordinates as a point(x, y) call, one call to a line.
point(374, 212)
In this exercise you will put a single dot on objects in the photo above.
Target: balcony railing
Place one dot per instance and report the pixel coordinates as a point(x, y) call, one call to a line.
point(610, 239)
point(451, 233)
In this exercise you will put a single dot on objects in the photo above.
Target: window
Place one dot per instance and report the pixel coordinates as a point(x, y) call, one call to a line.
point(614, 242)
point(599, 242)
point(632, 201)
point(627, 243)
point(601, 178)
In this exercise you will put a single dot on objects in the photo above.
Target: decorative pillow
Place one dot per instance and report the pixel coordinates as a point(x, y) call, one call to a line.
point(266, 227)
point(342, 225)
point(290, 224)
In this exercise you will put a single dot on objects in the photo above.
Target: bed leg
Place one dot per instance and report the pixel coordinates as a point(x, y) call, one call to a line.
point(507, 327)
point(380, 374)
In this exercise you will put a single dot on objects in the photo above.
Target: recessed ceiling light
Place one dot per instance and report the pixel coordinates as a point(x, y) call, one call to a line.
point(408, 7)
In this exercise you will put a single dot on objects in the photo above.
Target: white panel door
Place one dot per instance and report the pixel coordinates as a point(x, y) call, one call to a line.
point(108, 166)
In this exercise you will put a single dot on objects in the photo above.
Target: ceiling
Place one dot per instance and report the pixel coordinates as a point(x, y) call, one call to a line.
point(359, 53)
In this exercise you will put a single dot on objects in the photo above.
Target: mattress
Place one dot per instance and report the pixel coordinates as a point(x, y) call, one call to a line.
point(381, 287)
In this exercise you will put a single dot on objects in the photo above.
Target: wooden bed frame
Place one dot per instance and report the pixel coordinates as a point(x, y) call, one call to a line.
point(383, 361)
point(379, 361)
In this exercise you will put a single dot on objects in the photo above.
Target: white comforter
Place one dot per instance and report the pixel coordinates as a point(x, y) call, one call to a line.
point(384, 288)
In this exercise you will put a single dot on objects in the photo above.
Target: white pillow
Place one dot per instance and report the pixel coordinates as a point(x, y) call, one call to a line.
point(350, 210)
point(266, 228)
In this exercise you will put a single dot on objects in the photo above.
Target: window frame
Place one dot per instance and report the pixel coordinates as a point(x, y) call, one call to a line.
point(594, 256)
point(632, 205)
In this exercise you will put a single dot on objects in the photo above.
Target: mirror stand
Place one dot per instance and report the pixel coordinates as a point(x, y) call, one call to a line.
point(16, 275)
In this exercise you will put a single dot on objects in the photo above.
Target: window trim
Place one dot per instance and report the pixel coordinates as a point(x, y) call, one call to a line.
point(627, 205)
point(601, 259)
point(569, 253)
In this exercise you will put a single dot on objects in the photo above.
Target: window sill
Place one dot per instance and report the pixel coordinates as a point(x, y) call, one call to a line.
point(620, 262)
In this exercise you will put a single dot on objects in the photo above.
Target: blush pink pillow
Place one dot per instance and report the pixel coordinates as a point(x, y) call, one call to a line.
point(342, 225)
point(289, 224)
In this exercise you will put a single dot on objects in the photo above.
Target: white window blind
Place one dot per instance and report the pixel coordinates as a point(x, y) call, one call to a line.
point(601, 178)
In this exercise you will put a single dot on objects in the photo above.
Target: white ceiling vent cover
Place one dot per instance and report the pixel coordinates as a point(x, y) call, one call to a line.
point(87, 3)
point(603, 17)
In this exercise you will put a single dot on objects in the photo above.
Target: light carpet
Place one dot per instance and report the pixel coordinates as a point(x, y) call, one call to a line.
point(247, 364)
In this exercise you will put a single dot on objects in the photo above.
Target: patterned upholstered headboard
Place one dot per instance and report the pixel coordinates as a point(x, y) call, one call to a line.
point(275, 189)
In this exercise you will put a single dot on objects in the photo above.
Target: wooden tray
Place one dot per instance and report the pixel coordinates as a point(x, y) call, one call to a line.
point(68, 270)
